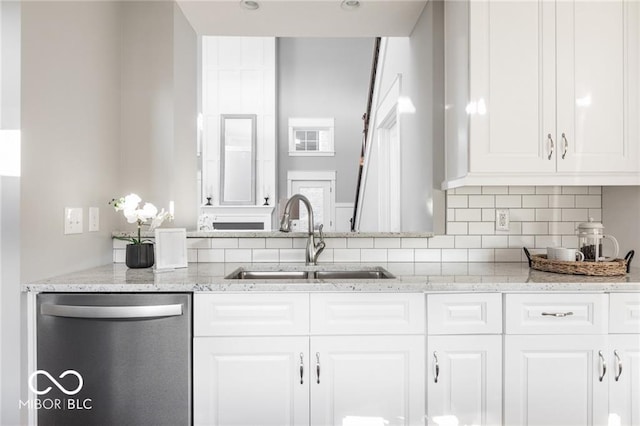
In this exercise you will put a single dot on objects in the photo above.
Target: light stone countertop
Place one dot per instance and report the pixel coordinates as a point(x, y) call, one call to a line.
point(410, 277)
point(279, 234)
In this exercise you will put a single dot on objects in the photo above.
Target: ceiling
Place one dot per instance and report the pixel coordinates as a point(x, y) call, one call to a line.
point(303, 18)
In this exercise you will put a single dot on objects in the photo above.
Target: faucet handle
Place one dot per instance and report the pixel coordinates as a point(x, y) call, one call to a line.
point(321, 233)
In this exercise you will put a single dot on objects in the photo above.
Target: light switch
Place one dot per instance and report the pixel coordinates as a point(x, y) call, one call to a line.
point(94, 219)
point(73, 220)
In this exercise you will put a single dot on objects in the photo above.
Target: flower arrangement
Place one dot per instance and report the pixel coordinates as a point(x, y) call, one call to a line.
point(129, 205)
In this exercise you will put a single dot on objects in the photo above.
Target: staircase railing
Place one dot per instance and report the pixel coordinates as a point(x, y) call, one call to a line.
point(365, 130)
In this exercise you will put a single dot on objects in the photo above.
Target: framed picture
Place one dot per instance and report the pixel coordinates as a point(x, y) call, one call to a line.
point(171, 248)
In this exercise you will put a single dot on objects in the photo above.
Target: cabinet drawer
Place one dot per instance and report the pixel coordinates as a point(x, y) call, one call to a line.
point(475, 313)
point(556, 314)
point(367, 313)
point(624, 313)
point(251, 314)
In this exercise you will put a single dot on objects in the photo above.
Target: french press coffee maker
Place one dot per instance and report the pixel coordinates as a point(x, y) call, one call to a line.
point(590, 236)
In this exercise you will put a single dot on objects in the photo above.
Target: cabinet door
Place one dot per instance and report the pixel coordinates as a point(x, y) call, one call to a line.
point(377, 380)
point(464, 379)
point(555, 380)
point(512, 87)
point(597, 86)
point(251, 380)
point(624, 381)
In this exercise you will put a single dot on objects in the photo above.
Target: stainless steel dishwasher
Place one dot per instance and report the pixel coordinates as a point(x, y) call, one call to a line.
point(113, 359)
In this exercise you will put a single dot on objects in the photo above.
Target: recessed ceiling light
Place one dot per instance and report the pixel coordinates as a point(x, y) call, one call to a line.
point(249, 4)
point(350, 4)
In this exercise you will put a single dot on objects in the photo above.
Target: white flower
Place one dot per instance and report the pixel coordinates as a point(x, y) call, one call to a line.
point(129, 206)
point(161, 217)
point(148, 211)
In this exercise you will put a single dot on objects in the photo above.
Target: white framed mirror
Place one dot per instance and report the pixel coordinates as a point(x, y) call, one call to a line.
point(237, 158)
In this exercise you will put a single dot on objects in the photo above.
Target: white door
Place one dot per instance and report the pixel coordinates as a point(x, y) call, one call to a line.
point(512, 87)
point(595, 66)
point(251, 381)
point(321, 195)
point(624, 380)
point(374, 380)
point(464, 380)
point(555, 380)
point(389, 182)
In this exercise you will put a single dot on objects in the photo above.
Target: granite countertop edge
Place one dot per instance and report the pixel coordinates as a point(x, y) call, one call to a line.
point(410, 277)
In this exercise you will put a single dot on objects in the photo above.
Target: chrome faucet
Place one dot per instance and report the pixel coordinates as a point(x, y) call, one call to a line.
point(313, 249)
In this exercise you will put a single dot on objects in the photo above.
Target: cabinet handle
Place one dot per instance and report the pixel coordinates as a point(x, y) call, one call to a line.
point(566, 145)
point(557, 314)
point(603, 366)
point(436, 367)
point(551, 146)
point(618, 365)
point(318, 367)
point(301, 368)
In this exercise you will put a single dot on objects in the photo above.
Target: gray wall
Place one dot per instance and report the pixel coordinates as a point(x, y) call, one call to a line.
point(621, 217)
point(319, 78)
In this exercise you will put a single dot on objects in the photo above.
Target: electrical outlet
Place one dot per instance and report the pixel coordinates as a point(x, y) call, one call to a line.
point(502, 220)
point(73, 220)
point(94, 219)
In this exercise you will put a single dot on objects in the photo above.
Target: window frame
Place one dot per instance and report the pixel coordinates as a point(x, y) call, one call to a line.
point(312, 124)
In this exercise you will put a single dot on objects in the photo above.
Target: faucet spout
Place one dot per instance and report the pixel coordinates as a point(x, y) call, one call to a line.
point(313, 249)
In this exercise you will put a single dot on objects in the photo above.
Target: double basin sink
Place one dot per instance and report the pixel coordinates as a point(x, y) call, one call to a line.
point(311, 273)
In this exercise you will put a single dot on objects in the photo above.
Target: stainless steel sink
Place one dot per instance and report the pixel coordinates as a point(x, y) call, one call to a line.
point(306, 273)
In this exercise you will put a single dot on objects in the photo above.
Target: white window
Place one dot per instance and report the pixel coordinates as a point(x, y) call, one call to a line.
point(311, 136)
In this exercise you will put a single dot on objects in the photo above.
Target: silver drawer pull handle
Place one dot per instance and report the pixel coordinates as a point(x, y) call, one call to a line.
point(618, 365)
point(318, 367)
point(603, 366)
point(557, 314)
point(566, 145)
point(301, 368)
point(111, 312)
point(551, 146)
point(436, 367)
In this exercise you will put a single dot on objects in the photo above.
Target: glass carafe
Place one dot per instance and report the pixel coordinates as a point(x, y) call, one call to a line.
point(590, 236)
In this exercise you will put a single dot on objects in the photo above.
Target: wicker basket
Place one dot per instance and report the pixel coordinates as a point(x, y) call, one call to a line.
point(601, 269)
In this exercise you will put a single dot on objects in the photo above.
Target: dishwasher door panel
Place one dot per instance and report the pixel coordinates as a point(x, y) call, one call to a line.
point(133, 352)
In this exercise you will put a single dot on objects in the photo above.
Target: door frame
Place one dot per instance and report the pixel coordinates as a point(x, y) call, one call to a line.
point(316, 175)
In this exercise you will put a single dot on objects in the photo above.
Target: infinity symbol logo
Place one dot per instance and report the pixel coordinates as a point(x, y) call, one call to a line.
point(35, 390)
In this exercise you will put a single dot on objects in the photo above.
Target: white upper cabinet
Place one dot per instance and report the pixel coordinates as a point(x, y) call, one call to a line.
point(550, 96)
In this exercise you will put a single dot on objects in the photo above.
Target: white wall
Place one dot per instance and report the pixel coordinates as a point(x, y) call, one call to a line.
point(419, 59)
point(621, 218)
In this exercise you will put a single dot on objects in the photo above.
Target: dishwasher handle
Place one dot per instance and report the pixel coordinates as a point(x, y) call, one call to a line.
point(111, 312)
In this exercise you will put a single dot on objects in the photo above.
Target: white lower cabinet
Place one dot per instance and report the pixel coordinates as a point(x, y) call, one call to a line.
point(251, 381)
point(624, 380)
point(556, 380)
point(464, 380)
point(367, 380)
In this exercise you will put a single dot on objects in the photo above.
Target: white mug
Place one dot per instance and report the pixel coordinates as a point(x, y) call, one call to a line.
point(568, 255)
point(551, 253)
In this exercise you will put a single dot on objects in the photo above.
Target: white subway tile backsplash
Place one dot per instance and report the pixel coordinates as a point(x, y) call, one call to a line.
point(451, 215)
point(253, 243)
point(299, 243)
point(360, 243)
point(595, 190)
point(497, 241)
point(522, 215)
point(346, 255)
point(192, 255)
point(495, 190)
point(279, 243)
point(238, 255)
point(373, 255)
point(506, 201)
point(516, 241)
point(469, 190)
point(535, 201)
point(535, 228)
point(198, 243)
point(576, 215)
point(508, 255)
point(414, 243)
point(442, 241)
point(596, 214)
point(457, 201)
point(400, 255)
point(292, 255)
point(468, 215)
point(548, 215)
point(589, 201)
point(522, 190)
point(562, 201)
point(481, 255)
point(210, 255)
point(488, 215)
point(454, 255)
point(481, 201)
point(570, 241)
point(119, 255)
point(333, 243)
point(482, 228)
point(562, 228)
point(467, 241)
point(266, 255)
point(575, 190)
point(548, 190)
point(457, 228)
point(428, 255)
point(224, 243)
point(548, 241)
point(386, 242)
point(326, 256)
